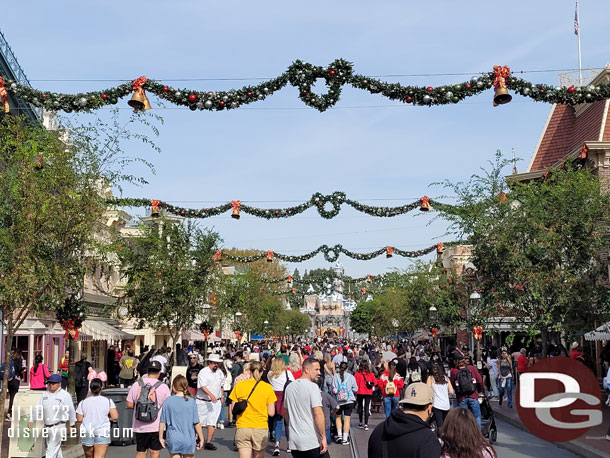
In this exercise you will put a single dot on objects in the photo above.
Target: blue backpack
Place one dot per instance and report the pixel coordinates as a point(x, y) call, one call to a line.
point(11, 370)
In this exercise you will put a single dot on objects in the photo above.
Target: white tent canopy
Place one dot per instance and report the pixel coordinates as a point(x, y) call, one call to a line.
point(601, 333)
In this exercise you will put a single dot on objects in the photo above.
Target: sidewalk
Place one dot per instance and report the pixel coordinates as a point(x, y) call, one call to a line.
point(591, 445)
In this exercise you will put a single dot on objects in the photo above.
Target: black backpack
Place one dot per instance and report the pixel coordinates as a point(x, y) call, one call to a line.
point(464, 382)
point(147, 410)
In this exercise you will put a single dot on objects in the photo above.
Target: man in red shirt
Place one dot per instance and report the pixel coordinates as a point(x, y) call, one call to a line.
point(467, 381)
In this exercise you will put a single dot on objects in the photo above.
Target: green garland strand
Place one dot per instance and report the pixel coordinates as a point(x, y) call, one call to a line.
point(331, 254)
point(318, 200)
point(303, 76)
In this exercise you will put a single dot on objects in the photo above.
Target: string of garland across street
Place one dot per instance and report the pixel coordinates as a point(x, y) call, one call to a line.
point(318, 200)
point(331, 253)
point(303, 76)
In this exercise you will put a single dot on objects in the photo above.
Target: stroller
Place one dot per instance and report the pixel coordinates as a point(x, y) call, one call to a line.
point(488, 422)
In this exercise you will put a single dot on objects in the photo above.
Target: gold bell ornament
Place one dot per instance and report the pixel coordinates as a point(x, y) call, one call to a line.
point(389, 252)
point(269, 256)
point(235, 204)
point(139, 101)
point(4, 97)
point(424, 204)
point(501, 95)
point(154, 207)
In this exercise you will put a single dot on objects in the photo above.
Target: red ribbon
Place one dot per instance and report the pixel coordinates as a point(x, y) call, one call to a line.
point(294, 290)
point(501, 74)
point(155, 205)
point(435, 332)
point(368, 278)
point(3, 93)
point(70, 328)
point(138, 83)
point(217, 256)
point(235, 204)
point(363, 290)
point(425, 200)
point(289, 279)
point(389, 250)
point(502, 197)
point(439, 247)
point(238, 335)
point(478, 332)
point(206, 334)
point(269, 255)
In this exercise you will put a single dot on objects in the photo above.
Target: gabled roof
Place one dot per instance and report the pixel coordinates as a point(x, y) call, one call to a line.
point(568, 128)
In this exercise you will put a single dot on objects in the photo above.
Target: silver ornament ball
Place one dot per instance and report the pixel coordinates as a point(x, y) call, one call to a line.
point(208, 104)
point(427, 99)
point(449, 94)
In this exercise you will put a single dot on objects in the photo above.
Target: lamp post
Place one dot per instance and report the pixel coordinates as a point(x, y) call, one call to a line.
point(433, 314)
point(395, 323)
point(475, 297)
point(238, 316)
point(287, 333)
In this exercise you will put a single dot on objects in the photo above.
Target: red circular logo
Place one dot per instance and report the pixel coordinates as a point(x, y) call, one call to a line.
point(558, 399)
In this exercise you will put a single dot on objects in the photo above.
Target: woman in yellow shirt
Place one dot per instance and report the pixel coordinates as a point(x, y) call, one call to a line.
point(252, 425)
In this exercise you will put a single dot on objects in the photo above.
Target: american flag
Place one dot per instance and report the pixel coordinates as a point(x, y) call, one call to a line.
point(576, 25)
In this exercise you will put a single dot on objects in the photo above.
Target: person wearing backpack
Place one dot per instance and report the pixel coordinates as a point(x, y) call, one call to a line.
point(344, 389)
point(466, 380)
point(146, 398)
point(390, 384)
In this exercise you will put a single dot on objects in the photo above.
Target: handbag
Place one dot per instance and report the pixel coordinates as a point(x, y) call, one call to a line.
point(241, 406)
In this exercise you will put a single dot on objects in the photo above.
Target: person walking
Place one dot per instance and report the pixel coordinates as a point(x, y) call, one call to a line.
point(329, 372)
point(210, 383)
point(64, 365)
point(466, 379)
point(39, 374)
point(366, 382)
point(82, 368)
point(192, 371)
point(442, 388)
point(462, 437)
point(344, 389)
point(180, 422)
point(148, 395)
point(94, 415)
point(279, 377)
point(522, 363)
point(14, 380)
point(128, 364)
point(57, 409)
point(406, 432)
point(227, 388)
point(390, 383)
point(505, 378)
point(304, 414)
point(252, 430)
point(492, 363)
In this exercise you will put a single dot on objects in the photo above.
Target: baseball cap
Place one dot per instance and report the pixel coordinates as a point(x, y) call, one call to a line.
point(418, 394)
point(155, 366)
point(54, 378)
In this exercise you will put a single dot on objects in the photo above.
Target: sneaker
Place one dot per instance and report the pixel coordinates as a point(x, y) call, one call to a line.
point(221, 426)
point(360, 426)
point(366, 427)
point(288, 450)
point(276, 451)
point(608, 437)
point(338, 439)
point(345, 442)
point(210, 446)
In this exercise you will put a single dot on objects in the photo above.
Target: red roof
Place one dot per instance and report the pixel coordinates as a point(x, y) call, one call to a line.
point(565, 132)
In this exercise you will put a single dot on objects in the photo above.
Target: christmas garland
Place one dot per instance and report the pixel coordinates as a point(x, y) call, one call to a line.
point(303, 76)
point(318, 200)
point(71, 316)
point(331, 254)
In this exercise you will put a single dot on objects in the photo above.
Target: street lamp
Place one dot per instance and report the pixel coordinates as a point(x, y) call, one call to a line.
point(475, 297)
point(287, 333)
point(395, 323)
point(433, 314)
point(238, 315)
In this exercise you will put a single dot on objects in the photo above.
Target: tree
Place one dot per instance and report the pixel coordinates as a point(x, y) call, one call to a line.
point(169, 271)
point(298, 323)
point(537, 247)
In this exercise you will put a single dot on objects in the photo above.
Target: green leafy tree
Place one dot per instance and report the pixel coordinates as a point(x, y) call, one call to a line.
point(168, 271)
point(537, 248)
point(298, 323)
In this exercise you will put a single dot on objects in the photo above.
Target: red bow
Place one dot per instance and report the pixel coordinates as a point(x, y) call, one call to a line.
point(3, 93)
point(583, 152)
point(435, 332)
point(217, 256)
point(478, 332)
point(235, 204)
point(155, 205)
point(439, 247)
point(238, 335)
point(289, 279)
point(389, 251)
point(501, 75)
point(206, 334)
point(138, 83)
point(368, 278)
point(269, 255)
point(363, 290)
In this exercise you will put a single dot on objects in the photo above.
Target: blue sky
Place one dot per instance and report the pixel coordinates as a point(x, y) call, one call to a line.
point(281, 150)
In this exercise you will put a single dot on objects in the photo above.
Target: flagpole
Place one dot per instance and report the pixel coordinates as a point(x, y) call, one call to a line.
point(579, 51)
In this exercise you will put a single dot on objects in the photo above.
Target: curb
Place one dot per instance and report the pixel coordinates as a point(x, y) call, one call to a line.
point(576, 447)
point(352, 443)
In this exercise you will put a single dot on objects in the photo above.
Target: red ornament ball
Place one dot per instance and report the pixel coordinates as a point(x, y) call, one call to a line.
point(277, 212)
point(249, 94)
point(409, 99)
point(192, 98)
point(571, 89)
point(222, 103)
point(304, 91)
point(429, 89)
point(105, 96)
point(165, 89)
point(332, 73)
point(44, 96)
point(468, 86)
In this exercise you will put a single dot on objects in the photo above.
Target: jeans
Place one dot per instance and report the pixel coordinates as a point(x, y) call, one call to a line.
point(277, 428)
point(473, 406)
point(509, 390)
point(493, 381)
point(390, 403)
point(364, 407)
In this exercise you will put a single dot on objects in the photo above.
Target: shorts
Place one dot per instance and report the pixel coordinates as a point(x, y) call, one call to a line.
point(208, 412)
point(146, 441)
point(252, 438)
point(90, 441)
point(346, 408)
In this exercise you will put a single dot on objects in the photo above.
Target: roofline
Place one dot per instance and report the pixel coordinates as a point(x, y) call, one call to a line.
point(548, 120)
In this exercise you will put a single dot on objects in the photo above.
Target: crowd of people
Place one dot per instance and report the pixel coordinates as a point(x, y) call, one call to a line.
point(305, 392)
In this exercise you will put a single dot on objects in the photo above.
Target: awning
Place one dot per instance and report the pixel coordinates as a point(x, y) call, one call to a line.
point(102, 330)
point(601, 333)
point(193, 335)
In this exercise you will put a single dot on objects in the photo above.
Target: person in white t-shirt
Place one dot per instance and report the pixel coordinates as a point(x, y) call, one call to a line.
point(94, 414)
point(210, 384)
point(160, 356)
